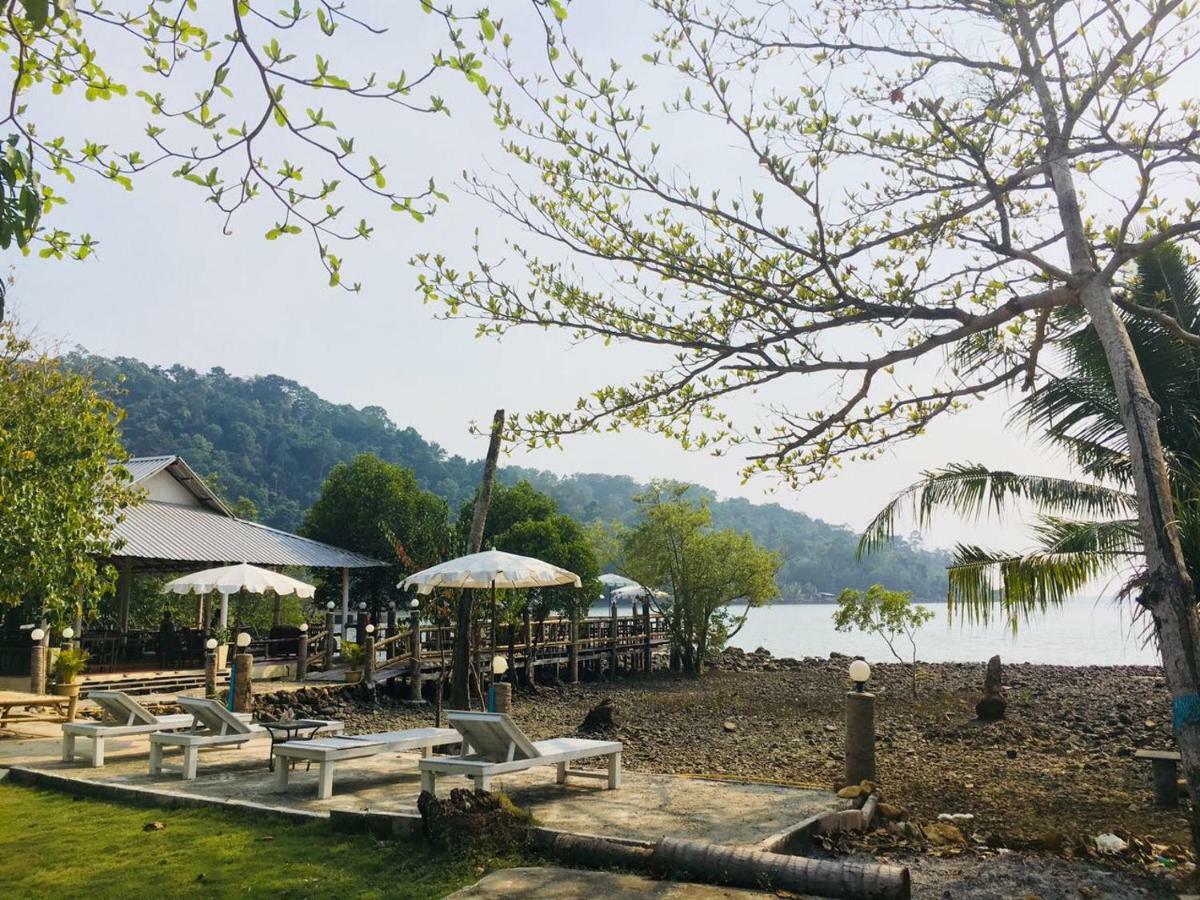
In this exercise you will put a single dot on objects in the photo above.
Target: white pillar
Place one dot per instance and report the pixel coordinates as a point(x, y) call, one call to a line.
point(223, 619)
point(345, 599)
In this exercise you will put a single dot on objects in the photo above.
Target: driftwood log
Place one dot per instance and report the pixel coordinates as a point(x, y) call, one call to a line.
point(735, 866)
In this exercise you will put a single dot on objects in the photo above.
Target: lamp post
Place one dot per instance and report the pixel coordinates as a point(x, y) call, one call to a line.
point(243, 667)
point(414, 676)
point(302, 652)
point(37, 662)
point(68, 636)
point(860, 726)
point(369, 653)
point(360, 629)
point(329, 639)
point(210, 667)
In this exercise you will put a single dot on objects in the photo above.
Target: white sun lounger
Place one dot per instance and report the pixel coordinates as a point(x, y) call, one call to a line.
point(328, 752)
point(124, 717)
point(498, 746)
point(212, 726)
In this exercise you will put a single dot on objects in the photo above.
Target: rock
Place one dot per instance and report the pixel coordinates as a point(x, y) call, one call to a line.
point(1110, 843)
point(851, 792)
point(729, 725)
point(891, 811)
point(599, 718)
point(153, 826)
point(831, 728)
point(992, 679)
point(991, 709)
point(956, 818)
point(1011, 754)
point(943, 834)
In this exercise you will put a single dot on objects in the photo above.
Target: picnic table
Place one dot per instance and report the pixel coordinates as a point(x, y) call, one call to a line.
point(17, 706)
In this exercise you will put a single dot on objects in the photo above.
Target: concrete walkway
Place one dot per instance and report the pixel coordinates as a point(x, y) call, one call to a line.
point(553, 883)
point(646, 807)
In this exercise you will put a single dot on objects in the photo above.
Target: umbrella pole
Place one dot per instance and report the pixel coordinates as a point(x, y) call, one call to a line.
point(492, 661)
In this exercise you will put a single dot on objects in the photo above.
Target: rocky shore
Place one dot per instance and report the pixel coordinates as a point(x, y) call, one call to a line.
point(1053, 774)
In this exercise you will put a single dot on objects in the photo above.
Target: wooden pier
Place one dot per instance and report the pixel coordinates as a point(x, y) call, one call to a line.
point(597, 645)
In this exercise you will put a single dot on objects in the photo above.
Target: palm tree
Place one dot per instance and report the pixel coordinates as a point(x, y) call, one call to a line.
point(1085, 528)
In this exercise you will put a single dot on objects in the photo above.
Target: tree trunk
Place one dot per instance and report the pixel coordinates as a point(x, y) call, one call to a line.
point(460, 696)
point(1169, 593)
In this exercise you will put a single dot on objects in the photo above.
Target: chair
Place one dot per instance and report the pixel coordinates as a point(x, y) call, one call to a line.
point(212, 726)
point(494, 745)
point(327, 752)
point(125, 717)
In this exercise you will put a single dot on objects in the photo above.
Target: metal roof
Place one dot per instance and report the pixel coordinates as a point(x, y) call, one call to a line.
point(142, 467)
point(210, 533)
point(192, 534)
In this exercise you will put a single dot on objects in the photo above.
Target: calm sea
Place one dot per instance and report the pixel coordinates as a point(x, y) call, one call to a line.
point(1083, 632)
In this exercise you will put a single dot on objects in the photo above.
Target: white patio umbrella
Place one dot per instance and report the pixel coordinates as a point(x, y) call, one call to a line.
point(613, 580)
point(493, 569)
point(637, 592)
point(490, 569)
point(228, 580)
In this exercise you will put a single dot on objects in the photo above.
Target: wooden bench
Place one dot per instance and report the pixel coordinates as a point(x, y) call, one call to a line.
point(33, 707)
point(1165, 764)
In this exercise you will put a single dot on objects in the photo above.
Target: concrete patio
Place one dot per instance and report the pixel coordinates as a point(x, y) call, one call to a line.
point(646, 807)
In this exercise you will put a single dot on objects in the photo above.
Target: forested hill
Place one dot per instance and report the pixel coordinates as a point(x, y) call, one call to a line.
point(272, 441)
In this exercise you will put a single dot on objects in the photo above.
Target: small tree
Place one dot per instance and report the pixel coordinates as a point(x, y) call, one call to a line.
point(377, 508)
point(674, 548)
point(889, 614)
point(60, 496)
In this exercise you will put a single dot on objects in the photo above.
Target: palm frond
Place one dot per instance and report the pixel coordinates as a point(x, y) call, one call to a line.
point(970, 490)
point(985, 584)
point(1112, 537)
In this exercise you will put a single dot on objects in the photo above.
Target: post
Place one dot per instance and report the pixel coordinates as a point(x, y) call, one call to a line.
point(37, 668)
point(277, 611)
point(345, 601)
point(502, 696)
point(573, 649)
point(414, 678)
point(302, 656)
point(368, 658)
point(528, 634)
point(391, 627)
point(243, 683)
point(329, 641)
point(210, 673)
point(124, 588)
point(860, 737)
point(612, 640)
point(223, 615)
point(647, 646)
point(360, 627)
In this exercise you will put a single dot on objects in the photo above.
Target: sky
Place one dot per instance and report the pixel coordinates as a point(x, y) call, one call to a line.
point(167, 286)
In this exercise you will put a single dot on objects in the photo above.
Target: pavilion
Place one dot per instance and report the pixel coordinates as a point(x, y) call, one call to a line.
point(181, 523)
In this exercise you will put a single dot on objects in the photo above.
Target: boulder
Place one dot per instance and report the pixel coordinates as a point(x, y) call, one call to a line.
point(943, 834)
point(891, 811)
point(599, 718)
point(991, 708)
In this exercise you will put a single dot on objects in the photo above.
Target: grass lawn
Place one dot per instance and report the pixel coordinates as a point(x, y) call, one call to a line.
point(54, 845)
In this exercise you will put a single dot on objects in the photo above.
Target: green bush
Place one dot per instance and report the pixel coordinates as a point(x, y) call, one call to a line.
point(353, 654)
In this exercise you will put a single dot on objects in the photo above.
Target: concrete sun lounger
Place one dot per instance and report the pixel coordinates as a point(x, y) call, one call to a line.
point(124, 717)
point(497, 746)
point(212, 726)
point(328, 752)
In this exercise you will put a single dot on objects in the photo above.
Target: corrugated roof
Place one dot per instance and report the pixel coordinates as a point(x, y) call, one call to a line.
point(142, 467)
point(192, 534)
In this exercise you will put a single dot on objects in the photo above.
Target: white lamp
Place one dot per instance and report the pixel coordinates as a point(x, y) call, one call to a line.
point(414, 603)
point(210, 644)
point(362, 606)
point(331, 606)
point(37, 635)
point(370, 629)
point(391, 604)
point(303, 627)
point(68, 633)
point(499, 665)
point(860, 673)
point(243, 640)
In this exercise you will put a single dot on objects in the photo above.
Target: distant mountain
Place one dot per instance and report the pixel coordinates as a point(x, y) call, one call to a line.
point(272, 441)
